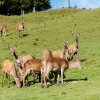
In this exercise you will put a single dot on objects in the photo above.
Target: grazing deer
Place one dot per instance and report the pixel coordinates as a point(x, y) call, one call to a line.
point(21, 27)
point(61, 53)
point(73, 49)
point(3, 30)
point(75, 64)
point(8, 68)
point(56, 64)
point(33, 65)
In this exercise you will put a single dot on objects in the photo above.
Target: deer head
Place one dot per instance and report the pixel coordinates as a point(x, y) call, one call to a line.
point(76, 37)
point(18, 62)
point(12, 50)
point(78, 64)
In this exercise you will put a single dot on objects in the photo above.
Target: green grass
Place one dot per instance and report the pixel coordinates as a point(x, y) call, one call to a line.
point(48, 30)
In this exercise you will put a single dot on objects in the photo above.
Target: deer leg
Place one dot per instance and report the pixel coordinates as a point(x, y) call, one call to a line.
point(1, 33)
point(39, 77)
point(8, 78)
point(45, 84)
point(58, 77)
point(46, 73)
point(20, 33)
point(42, 74)
point(24, 76)
point(4, 33)
point(62, 72)
point(2, 78)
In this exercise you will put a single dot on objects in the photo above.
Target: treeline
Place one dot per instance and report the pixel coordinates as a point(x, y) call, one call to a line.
point(19, 7)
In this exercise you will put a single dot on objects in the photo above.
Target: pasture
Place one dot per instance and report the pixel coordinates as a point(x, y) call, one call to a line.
point(48, 30)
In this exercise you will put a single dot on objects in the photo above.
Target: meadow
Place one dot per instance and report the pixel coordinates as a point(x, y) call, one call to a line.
point(48, 30)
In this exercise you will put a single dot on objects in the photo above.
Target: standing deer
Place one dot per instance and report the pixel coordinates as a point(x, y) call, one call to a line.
point(20, 61)
point(73, 49)
point(3, 30)
point(21, 27)
point(8, 68)
point(33, 65)
point(52, 64)
point(56, 64)
point(61, 53)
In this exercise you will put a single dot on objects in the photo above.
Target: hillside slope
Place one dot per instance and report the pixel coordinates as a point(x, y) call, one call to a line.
point(48, 30)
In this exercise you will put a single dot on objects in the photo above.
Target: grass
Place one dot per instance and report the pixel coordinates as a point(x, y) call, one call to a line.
point(48, 30)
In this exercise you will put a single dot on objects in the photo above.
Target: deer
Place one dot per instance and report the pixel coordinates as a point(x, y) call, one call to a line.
point(21, 28)
point(20, 61)
point(73, 49)
point(33, 65)
point(61, 53)
point(51, 63)
point(3, 29)
point(9, 68)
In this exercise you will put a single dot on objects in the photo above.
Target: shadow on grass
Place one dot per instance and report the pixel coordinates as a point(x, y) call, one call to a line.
point(82, 60)
point(71, 80)
point(25, 35)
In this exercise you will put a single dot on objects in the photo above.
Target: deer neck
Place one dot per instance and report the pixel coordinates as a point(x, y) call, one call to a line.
point(64, 53)
point(76, 43)
point(15, 56)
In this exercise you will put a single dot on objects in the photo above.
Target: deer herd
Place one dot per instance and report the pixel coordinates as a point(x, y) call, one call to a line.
point(50, 62)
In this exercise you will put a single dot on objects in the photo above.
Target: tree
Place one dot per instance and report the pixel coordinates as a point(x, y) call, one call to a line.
point(19, 6)
point(40, 5)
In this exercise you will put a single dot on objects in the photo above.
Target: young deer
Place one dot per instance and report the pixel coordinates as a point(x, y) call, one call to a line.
point(21, 27)
point(8, 68)
point(52, 64)
point(56, 64)
point(73, 49)
point(61, 53)
point(3, 30)
point(33, 65)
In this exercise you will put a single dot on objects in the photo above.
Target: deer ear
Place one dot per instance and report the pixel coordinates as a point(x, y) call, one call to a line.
point(78, 34)
point(14, 47)
point(64, 43)
point(73, 35)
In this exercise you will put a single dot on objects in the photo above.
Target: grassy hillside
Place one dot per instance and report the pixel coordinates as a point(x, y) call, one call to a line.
point(47, 30)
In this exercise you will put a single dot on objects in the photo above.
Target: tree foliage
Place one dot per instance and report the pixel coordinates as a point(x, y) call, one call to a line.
point(15, 6)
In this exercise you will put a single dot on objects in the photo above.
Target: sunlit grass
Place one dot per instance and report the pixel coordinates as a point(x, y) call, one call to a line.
point(48, 30)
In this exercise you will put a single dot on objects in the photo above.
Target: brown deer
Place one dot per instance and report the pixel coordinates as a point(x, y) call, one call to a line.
point(75, 64)
point(21, 28)
point(52, 64)
point(73, 49)
point(3, 30)
point(20, 61)
point(61, 53)
point(33, 65)
point(8, 68)
point(56, 64)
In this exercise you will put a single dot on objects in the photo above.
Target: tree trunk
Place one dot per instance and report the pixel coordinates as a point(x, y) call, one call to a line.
point(22, 11)
point(33, 9)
